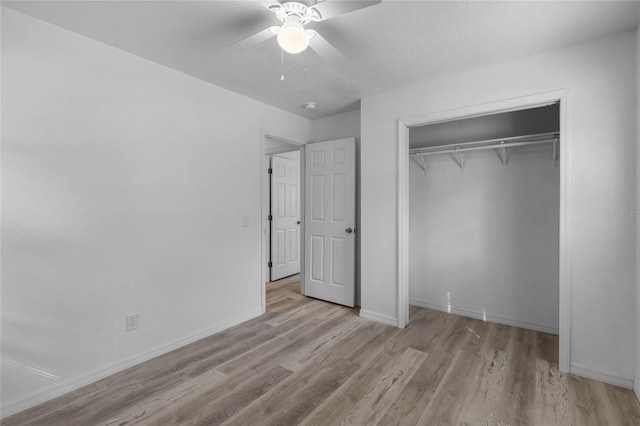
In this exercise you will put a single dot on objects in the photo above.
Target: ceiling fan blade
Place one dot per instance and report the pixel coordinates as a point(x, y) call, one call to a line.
point(330, 8)
point(256, 38)
point(323, 48)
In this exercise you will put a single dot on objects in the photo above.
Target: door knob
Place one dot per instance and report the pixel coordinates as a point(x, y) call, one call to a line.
point(348, 230)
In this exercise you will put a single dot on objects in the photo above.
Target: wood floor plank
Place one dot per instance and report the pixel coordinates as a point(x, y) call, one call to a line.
point(547, 348)
point(217, 405)
point(301, 357)
point(552, 395)
point(337, 406)
point(476, 330)
point(363, 345)
point(299, 312)
point(486, 393)
point(295, 398)
point(374, 404)
point(423, 334)
point(587, 407)
point(497, 336)
point(165, 402)
point(620, 397)
point(270, 352)
point(451, 395)
point(310, 362)
point(517, 405)
point(415, 396)
point(457, 336)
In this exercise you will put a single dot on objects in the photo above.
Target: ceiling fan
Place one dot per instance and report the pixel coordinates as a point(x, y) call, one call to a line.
point(293, 37)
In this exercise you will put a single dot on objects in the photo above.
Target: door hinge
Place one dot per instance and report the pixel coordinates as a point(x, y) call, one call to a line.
point(270, 265)
point(270, 217)
point(270, 171)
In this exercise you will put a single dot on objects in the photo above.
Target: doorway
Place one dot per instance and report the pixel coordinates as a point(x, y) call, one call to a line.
point(328, 211)
point(275, 144)
point(539, 100)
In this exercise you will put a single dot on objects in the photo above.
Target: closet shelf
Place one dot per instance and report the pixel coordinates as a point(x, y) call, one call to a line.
point(500, 145)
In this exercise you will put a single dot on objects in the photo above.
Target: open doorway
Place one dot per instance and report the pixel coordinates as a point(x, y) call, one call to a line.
point(327, 216)
point(281, 243)
point(563, 152)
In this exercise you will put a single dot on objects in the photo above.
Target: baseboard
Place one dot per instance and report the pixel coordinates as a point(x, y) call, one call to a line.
point(612, 379)
point(66, 386)
point(384, 319)
point(479, 315)
point(636, 388)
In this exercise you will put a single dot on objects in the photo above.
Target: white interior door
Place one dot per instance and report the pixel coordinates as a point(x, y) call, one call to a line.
point(285, 217)
point(330, 214)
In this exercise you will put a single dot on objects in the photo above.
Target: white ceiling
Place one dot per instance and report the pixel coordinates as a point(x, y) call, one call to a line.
point(390, 45)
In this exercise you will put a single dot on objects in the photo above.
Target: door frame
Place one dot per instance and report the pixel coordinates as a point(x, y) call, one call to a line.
point(525, 102)
point(264, 203)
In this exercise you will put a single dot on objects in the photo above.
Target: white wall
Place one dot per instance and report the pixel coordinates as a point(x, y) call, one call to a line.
point(494, 126)
point(272, 146)
point(292, 155)
point(124, 184)
point(339, 126)
point(600, 77)
point(345, 125)
point(484, 242)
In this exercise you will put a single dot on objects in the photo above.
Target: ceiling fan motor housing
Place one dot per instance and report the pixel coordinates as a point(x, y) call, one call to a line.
point(303, 12)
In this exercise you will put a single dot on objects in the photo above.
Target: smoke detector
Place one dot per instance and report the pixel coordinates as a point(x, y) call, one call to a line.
point(310, 105)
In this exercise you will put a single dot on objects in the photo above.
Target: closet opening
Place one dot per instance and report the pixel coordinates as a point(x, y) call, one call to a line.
point(483, 235)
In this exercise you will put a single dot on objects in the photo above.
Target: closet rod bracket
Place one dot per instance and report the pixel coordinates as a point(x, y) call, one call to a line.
point(502, 153)
point(459, 158)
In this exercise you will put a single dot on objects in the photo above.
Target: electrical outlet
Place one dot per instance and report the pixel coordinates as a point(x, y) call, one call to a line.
point(245, 221)
point(132, 322)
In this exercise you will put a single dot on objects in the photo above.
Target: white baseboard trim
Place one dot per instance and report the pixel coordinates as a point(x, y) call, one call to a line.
point(384, 319)
point(66, 386)
point(636, 388)
point(612, 379)
point(478, 315)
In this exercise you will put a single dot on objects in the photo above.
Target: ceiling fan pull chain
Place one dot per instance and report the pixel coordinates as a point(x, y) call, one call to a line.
point(281, 64)
point(305, 70)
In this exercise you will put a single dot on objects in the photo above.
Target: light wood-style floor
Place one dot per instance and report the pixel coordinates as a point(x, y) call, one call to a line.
point(315, 363)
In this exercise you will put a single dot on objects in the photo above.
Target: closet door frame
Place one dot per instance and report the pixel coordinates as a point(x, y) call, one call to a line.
point(525, 102)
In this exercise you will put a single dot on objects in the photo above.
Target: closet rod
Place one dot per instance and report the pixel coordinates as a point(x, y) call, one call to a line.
point(488, 144)
point(476, 148)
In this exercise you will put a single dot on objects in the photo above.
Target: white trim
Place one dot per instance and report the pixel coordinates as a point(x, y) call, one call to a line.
point(481, 316)
point(403, 225)
point(565, 233)
point(612, 379)
point(264, 208)
point(384, 319)
point(532, 101)
point(66, 386)
point(636, 388)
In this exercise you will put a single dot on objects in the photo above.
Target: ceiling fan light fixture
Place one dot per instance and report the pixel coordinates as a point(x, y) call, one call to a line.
point(292, 36)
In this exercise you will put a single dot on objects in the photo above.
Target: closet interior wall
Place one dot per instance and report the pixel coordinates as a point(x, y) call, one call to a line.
point(484, 240)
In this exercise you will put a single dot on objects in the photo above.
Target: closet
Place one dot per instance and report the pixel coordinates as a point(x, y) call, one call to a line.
point(484, 217)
